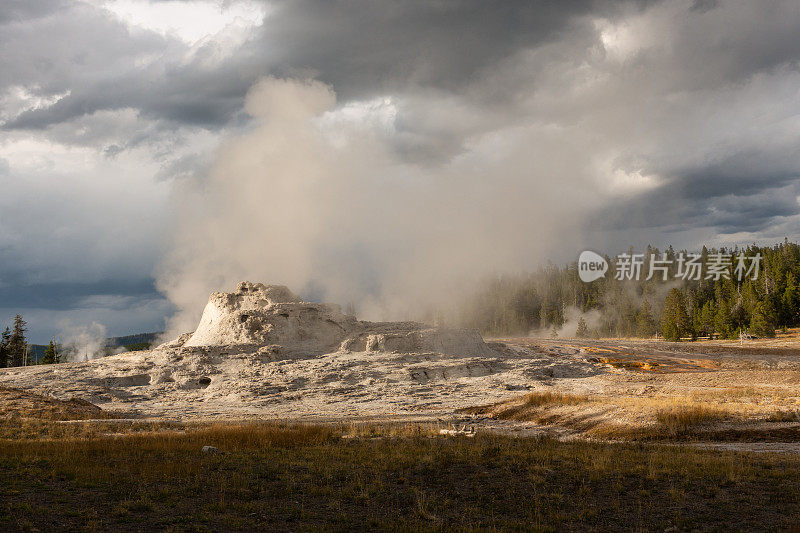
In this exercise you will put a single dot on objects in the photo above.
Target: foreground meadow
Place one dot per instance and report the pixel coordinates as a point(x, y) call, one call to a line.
point(300, 477)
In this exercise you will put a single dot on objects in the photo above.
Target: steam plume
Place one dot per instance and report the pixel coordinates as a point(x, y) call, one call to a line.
point(82, 343)
point(326, 205)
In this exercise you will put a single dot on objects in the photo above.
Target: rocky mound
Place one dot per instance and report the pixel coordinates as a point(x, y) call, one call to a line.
point(15, 403)
point(257, 316)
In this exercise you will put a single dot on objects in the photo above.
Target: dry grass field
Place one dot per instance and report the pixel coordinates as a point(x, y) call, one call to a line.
point(96, 475)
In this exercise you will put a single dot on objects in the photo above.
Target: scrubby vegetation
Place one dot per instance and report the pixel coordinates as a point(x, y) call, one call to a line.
point(555, 299)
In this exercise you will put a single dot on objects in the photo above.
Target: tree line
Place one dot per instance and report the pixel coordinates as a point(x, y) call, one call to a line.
point(15, 350)
point(554, 299)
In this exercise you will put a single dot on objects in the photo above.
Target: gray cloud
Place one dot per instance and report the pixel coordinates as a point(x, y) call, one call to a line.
point(112, 67)
point(26, 10)
point(442, 45)
point(72, 295)
point(658, 120)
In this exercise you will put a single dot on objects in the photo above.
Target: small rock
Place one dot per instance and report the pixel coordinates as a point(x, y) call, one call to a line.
point(210, 449)
point(467, 431)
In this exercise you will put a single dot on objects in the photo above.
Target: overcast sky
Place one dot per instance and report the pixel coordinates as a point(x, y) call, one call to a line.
point(660, 122)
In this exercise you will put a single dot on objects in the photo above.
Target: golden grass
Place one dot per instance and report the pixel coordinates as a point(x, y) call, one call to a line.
point(683, 418)
point(539, 399)
point(670, 414)
point(191, 437)
point(781, 415)
point(528, 407)
point(660, 417)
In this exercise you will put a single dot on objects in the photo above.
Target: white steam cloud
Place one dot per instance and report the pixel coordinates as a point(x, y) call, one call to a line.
point(81, 343)
point(572, 315)
point(316, 197)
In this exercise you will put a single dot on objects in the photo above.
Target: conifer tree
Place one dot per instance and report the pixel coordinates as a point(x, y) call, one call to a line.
point(645, 323)
point(790, 301)
point(723, 322)
point(5, 352)
point(705, 325)
point(762, 324)
point(542, 299)
point(50, 356)
point(583, 329)
point(17, 343)
point(674, 319)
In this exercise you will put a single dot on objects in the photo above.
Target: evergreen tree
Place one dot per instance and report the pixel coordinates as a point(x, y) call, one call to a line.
point(705, 323)
point(674, 319)
point(50, 356)
point(790, 301)
point(5, 352)
point(583, 330)
point(17, 343)
point(762, 324)
point(723, 322)
point(645, 323)
point(512, 304)
point(739, 315)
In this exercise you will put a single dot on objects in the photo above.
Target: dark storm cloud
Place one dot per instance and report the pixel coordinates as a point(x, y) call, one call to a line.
point(83, 45)
point(741, 174)
point(445, 45)
point(704, 5)
point(361, 50)
point(72, 295)
point(357, 48)
point(736, 195)
point(673, 209)
point(730, 43)
point(186, 97)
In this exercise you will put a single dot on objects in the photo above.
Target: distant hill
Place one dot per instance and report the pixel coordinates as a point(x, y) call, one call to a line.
point(137, 338)
point(36, 352)
point(137, 341)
